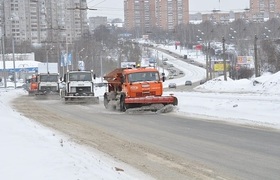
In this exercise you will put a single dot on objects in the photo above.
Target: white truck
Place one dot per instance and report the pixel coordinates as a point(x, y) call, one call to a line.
point(48, 79)
point(79, 87)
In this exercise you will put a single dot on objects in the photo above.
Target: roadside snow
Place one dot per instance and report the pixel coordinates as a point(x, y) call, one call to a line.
point(31, 151)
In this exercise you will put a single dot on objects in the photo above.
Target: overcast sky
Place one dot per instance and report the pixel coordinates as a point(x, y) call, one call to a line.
point(114, 8)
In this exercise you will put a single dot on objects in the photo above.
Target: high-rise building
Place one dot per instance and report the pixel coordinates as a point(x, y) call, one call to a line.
point(170, 13)
point(144, 15)
point(43, 21)
point(260, 9)
point(23, 20)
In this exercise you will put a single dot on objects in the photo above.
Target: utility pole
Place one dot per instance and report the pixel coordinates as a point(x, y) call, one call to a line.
point(3, 46)
point(120, 53)
point(256, 57)
point(207, 61)
point(101, 66)
point(14, 63)
point(224, 59)
point(161, 62)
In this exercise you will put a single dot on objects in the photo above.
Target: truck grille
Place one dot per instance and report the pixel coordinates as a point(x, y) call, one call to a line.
point(48, 88)
point(82, 90)
point(146, 93)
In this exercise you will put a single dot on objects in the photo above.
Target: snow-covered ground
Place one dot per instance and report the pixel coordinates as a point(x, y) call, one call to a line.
point(31, 151)
point(254, 101)
point(237, 101)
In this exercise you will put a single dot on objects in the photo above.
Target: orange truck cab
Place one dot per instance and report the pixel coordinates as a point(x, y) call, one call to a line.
point(33, 87)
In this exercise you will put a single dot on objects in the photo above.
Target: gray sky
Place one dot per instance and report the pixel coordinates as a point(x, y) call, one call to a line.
point(114, 8)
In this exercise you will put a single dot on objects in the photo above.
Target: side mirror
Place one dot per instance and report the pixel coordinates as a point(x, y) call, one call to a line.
point(94, 76)
point(64, 78)
point(163, 78)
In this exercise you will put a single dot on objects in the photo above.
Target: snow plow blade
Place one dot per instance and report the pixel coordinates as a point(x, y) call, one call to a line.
point(159, 104)
point(81, 99)
point(156, 108)
point(152, 100)
point(31, 93)
point(45, 95)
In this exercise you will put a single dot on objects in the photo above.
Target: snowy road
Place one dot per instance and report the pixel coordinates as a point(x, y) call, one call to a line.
point(184, 147)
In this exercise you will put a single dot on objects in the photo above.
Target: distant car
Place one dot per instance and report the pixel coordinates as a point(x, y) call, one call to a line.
point(202, 81)
point(181, 72)
point(192, 61)
point(171, 77)
point(188, 83)
point(172, 85)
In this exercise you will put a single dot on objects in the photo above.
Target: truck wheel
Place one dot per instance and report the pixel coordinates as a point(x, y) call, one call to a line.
point(122, 103)
point(106, 101)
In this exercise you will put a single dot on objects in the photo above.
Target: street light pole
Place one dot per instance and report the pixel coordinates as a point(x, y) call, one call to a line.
point(79, 57)
point(14, 64)
point(101, 66)
point(224, 59)
point(4, 63)
point(208, 65)
point(3, 47)
point(48, 59)
point(256, 56)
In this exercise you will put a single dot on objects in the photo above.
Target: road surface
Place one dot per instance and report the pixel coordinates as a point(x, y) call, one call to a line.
point(165, 146)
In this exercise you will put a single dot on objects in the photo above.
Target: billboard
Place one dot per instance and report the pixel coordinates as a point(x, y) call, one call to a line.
point(219, 66)
point(247, 61)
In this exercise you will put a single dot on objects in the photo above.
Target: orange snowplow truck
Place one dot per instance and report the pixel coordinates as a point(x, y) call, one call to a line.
point(136, 87)
point(33, 85)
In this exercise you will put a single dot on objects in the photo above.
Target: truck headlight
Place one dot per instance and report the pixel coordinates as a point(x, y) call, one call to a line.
point(73, 89)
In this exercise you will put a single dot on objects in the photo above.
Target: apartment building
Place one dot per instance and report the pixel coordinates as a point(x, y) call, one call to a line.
point(146, 14)
point(19, 19)
point(217, 17)
point(261, 9)
point(43, 21)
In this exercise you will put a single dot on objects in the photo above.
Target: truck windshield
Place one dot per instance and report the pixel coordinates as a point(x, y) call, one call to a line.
point(81, 76)
point(48, 78)
point(143, 76)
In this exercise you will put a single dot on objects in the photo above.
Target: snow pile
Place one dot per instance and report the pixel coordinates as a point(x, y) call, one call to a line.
point(266, 84)
point(269, 83)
